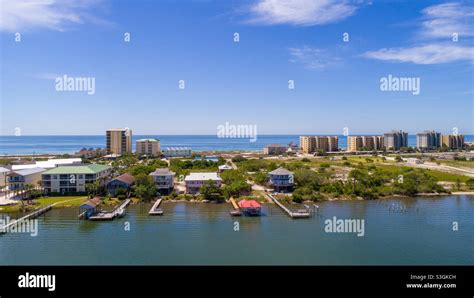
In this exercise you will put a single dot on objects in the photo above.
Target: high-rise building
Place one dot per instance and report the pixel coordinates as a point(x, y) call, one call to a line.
point(119, 140)
point(148, 146)
point(311, 144)
point(453, 141)
point(395, 140)
point(355, 143)
point(428, 140)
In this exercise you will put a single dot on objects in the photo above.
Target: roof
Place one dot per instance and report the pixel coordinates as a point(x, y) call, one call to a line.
point(177, 148)
point(275, 145)
point(148, 140)
point(82, 169)
point(26, 172)
point(126, 178)
point(225, 167)
point(202, 177)
point(94, 202)
point(47, 164)
point(162, 172)
point(281, 171)
point(249, 204)
point(2, 170)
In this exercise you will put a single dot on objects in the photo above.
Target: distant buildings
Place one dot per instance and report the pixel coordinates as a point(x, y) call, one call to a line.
point(119, 141)
point(18, 179)
point(453, 141)
point(164, 180)
point(73, 179)
point(177, 152)
point(123, 181)
point(281, 180)
point(368, 143)
point(395, 140)
point(428, 140)
point(195, 181)
point(274, 149)
point(312, 144)
point(148, 146)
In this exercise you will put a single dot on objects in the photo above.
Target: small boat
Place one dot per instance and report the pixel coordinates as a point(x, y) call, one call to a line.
point(235, 213)
point(120, 213)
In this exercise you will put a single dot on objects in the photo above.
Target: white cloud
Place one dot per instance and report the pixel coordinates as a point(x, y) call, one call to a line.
point(301, 12)
point(425, 54)
point(442, 20)
point(51, 14)
point(312, 58)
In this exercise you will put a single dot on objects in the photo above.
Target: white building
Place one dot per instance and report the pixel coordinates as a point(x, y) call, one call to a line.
point(195, 181)
point(177, 152)
point(20, 178)
point(3, 176)
point(48, 164)
point(73, 179)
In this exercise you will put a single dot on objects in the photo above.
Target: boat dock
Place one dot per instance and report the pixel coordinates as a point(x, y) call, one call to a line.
point(154, 210)
point(111, 215)
point(293, 214)
point(34, 214)
point(236, 211)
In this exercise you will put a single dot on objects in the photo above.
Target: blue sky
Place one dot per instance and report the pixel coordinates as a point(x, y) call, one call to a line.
point(337, 83)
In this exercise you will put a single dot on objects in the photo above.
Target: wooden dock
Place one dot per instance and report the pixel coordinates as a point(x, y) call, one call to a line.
point(292, 214)
point(113, 214)
point(34, 214)
point(236, 211)
point(154, 210)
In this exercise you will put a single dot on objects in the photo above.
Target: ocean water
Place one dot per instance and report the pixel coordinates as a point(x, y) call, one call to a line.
point(10, 145)
point(204, 234)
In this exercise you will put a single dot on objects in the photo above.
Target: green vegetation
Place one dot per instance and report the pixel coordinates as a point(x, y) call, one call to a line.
point(211, 192)
point(68, 201)
point(235, 183)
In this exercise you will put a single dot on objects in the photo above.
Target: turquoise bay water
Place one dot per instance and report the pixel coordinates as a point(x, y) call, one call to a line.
point(202, 234)
point(70, 144)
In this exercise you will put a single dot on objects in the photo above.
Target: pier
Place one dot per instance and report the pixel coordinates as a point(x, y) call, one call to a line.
point(154, 209)
point(293, 214)
point(34, 214)
point(236, 211)
point(119, 211)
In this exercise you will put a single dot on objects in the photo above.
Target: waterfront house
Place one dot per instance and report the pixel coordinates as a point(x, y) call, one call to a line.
point(73, 179)
point(274, 149)
point(164, 180)
point(18, 179)
point(90, 207)
point(195, 181)
point(123, 181)
point(281, 180)
point(250, 207)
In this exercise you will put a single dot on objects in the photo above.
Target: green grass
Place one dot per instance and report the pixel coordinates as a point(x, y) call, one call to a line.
point(458, 163)
point(72, 201)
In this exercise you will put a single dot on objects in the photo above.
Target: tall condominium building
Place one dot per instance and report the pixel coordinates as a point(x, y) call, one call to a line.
point(148, 146)
point(395, 140)
point(355, 143)
point(453, 141)
point(428, 139)
point(119, 140)
point(311, 144)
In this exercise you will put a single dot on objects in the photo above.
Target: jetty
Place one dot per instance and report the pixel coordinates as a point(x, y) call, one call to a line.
point(154, 209)
point(302, 213)
point(236, 211)
point(117, 212)
point(34, 214)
